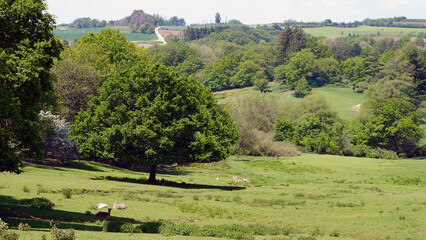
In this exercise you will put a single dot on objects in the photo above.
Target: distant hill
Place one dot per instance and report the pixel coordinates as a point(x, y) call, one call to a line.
point(138, 21)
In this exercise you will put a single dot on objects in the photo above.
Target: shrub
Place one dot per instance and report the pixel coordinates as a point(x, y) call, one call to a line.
point(26, 189)
point(5, 234)
point(150, 227)
point(24, 226)
point(120, 226)
point(283, 130)
point(129, 228)
point(62, 234)
point(67, 192)
point(10, 236)
point(42, 203)
point(381, 153)
point(255, 117)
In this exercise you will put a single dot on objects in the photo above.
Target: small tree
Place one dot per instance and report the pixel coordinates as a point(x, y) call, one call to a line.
point(217, 18)
point(302, 88)
point(147, 114)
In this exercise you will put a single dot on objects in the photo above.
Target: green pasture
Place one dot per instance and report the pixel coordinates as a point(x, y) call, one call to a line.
point(311, 196)
point(342, 100)
point(73, 34)
point(336, 32)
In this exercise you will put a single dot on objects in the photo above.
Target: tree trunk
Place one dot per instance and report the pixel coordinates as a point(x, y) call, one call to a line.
point(152, 173)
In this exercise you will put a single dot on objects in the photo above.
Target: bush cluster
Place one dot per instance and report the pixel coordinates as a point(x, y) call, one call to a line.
point(42, 203)
point(234, 231)
point(62, 234)
point(5, 234)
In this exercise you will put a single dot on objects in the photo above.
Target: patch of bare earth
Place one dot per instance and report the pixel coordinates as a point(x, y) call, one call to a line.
point(177, 33)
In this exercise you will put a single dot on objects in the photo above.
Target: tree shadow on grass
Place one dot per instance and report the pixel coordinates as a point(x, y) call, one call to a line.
point(59, 166)
point(14, 214)
point(169, 183)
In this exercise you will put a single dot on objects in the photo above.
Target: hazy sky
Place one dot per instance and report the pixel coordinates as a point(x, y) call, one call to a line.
point(247, 11)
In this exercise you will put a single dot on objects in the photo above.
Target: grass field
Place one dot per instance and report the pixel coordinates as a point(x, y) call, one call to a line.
point(310, 196)
point(335, 32)
point(342, 100)
point(73, 34)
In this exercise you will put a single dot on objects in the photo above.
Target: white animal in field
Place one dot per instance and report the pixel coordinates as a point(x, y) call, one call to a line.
point(236, 179)
point(101, 205)
point(104, 214)
point(117, 205)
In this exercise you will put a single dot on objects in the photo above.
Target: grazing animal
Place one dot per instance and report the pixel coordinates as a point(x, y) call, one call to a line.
point(117, 205)
point(236, 179)
point(104, 214)
point(101, 205)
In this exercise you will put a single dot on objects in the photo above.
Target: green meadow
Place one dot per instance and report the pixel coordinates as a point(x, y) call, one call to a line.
point(342, 99)
point(305, 197)
point(336, 32)
point(73, 34)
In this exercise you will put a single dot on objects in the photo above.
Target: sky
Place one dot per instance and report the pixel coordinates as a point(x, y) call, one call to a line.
point(247, 11)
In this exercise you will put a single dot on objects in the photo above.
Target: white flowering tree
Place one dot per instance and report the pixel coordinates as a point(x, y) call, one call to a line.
point(56, 143)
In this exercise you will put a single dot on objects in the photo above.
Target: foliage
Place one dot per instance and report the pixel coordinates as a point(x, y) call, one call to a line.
point(42, 203)
point(344, 48)
point(303, 64)
point(302, 88)
point(221, 73)
point(147, 114)
point(195, 33)
point(353, 69)
point(5, 234)
point(255, 117)
point(27, 50)
point(54, 132)
point(67, 192)
point(87, 23)
point(85, 66)
point(24, 227)
point(313, 125)
point(217, 18)
point(62, 234)
point(283, 130)
point(290, 41)
point(402, 76)
point(391, 124)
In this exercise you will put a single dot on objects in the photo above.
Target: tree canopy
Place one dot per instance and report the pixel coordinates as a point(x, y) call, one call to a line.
point(147, 114)
point(27, 51)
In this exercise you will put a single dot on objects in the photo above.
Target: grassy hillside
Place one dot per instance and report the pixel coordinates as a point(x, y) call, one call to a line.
point(73, 34)
point(336, 32)
point(316, 196)
point(342, 100)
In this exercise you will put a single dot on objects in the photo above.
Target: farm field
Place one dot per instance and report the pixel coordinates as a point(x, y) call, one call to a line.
point(336, 32)
point(73, 34)
point(305, 197)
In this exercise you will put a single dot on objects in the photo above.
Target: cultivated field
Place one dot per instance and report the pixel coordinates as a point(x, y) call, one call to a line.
point(73, 34)
point(335, 32)
point(305, 197)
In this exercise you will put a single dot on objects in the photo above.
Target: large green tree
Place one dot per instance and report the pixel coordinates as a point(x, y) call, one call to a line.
point(27, 51)
point(147, 114)
point(85, 66)
point(391, 123)
point(290, 40)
